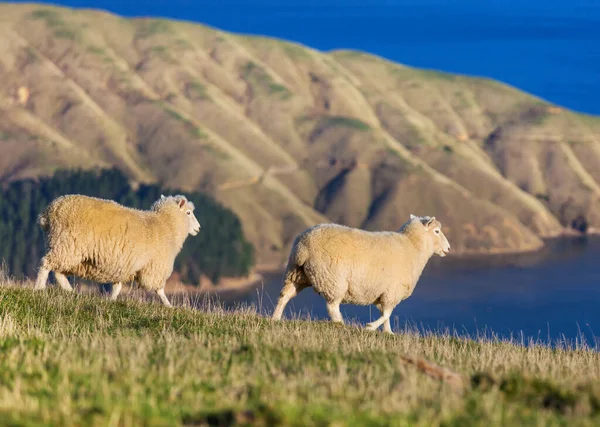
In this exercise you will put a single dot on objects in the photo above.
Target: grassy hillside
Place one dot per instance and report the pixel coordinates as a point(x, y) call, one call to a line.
point(287, 136)
point(81, 359)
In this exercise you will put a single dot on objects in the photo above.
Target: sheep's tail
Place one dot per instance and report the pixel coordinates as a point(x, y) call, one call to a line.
point(43, 221)
point(298, 256)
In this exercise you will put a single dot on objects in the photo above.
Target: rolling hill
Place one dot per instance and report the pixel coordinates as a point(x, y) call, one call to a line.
point(286, 136)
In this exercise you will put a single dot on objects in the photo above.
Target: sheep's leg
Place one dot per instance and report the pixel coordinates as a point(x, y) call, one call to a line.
point(290, 290)
point(42, 278)
point(116, 289)
point(385, 316)
point(333, 308)
point(387, 327)
point(63, 281)
point(163, 297)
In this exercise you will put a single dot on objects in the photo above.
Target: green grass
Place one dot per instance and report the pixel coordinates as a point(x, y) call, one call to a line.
point(80, 359)
point(183, 44)
point(347, 53)
point(295, 51)
point(50, 16)
point(197, 90)
point(96, 50)
point(347, 122)
point(62, 33)
point(151, 27)
point(438, 75)
point(53, 19)
point(159, 49)
point(32, 55)
point(163, 52)
point(191, 127)
point(258, 77)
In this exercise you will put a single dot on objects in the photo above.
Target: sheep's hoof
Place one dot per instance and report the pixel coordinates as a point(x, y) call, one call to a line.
point(370, 327)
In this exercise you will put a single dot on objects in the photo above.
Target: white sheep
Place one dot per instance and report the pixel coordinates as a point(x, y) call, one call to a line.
point(351, 266)
point(103, 241)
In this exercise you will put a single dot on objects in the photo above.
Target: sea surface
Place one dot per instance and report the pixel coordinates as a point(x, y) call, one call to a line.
point(550, 48)
point(551, 296)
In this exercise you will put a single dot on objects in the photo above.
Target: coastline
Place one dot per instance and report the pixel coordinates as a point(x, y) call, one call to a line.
point(227, 285)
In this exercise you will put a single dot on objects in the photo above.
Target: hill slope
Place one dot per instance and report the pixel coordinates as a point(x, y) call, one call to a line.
point(287, 136)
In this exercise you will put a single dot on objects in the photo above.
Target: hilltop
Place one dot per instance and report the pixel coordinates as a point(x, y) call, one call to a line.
point(287, 136)
point(73, 359)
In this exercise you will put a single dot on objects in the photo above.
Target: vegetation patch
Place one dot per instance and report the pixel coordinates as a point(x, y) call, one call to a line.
point(65, 34)
point(393, 152)
point(434, 74)
point(32, 55)
point(588, 119)
point(148, 28)
point(215, 151)
point(48, 15)
point(191, 127)
point(402, 72)
point(352, 54)
point(581, 400)
point(183, 44)
point(346, 122)
point(543, 197)
point(258, 77)
point(295, 51)
point(96, 50)
point(159, 49)
point(162, 52)
point(53, 19)
point(196, 90)
point(533, 113)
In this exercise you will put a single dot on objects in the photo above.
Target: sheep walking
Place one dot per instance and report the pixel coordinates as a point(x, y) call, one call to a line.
point(351, 266)
point(103, 241)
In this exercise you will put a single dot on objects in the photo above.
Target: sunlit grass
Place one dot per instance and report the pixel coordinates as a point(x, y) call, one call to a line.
point(80, 359)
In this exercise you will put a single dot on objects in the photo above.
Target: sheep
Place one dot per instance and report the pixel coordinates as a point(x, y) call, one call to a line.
point(103, 241)
point(351, 266)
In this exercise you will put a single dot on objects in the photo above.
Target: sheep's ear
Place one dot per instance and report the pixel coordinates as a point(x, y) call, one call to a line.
point(162, 197)
point(430, 222)
point(412, 217)
point(181, 203)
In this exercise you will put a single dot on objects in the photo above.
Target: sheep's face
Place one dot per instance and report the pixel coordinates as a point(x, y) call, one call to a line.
point(433, 227)
point(187, 209)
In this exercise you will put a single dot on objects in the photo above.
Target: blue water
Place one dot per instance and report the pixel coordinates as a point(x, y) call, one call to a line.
point(550, 296)
point(550, 48)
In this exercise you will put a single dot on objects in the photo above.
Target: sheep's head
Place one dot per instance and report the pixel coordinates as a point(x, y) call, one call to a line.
point(186, 208)
point(433, 228)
